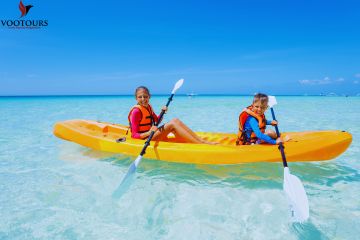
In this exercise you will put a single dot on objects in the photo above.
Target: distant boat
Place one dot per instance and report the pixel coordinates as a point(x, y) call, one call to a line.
point(191, 94)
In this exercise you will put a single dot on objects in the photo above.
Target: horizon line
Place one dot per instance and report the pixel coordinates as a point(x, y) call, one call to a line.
point(186, 95)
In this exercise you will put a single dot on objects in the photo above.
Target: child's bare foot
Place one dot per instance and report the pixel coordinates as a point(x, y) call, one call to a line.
point(211, 143)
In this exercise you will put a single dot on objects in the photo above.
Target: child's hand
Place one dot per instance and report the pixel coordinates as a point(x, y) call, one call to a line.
point(164, 108)
point(286, 138)
point(274, 123)
point(153, 128)
point(280, 140)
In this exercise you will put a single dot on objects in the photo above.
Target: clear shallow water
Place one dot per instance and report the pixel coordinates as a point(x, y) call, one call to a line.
point(52, 189)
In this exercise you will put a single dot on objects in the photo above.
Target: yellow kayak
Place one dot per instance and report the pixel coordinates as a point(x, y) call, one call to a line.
point(303, 146)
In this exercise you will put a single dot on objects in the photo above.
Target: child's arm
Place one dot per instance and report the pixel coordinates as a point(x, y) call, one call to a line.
point(135, 119)
point(157, 117)
point(271, 122)
point(255, 127)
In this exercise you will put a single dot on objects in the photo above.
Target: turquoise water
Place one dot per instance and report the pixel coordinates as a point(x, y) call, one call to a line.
point(52, 189)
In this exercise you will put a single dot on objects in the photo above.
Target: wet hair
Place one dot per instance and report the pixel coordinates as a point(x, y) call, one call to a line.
point(143, 88)
point(263, 98)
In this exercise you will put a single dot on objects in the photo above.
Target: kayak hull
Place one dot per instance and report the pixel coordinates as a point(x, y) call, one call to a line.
point(303, 146)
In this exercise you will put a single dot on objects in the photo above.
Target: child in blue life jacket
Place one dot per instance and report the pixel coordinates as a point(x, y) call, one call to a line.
point(252, 123)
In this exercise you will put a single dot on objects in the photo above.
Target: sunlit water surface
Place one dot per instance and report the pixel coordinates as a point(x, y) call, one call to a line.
point(53, 189)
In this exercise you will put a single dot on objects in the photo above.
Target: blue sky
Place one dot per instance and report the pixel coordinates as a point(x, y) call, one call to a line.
point(220, 47)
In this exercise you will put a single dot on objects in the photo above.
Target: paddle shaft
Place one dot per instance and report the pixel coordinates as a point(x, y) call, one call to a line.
point(281, 146)
point(147, 143)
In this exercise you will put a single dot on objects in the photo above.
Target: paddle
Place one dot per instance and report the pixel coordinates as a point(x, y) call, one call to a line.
point(293, 187)
point(125, 183)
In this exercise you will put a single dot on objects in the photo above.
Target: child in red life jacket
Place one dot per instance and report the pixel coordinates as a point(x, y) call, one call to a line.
point(252, 123)
point(142, 119)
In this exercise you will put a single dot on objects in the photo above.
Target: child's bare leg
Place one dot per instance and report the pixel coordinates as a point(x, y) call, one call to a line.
point(180, 124)
point(271, 133)
point(181, 133)
point(191, 132)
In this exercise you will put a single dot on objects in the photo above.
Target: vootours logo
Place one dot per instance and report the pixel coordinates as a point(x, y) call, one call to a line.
point(22, 23)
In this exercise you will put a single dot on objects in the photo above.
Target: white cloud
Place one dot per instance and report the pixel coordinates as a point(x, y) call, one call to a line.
point(305, 82)
point(324, 81)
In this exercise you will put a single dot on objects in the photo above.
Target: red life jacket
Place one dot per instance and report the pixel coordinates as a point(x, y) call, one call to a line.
point(147, 118)
point(242, 138)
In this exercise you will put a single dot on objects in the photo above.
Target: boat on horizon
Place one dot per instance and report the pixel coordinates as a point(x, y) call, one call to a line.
point(191, 94)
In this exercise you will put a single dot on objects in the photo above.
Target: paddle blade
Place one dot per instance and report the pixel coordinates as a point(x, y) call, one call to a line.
point(296, 195)
point(272, 101)
point(127, 180)
point(178, 85)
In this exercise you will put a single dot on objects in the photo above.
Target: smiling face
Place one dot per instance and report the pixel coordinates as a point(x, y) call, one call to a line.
point(260, 107)
point(142, 97)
